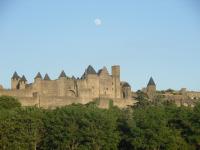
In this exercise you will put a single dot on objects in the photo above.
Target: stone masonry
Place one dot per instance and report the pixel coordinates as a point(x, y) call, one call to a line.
point(47, 93)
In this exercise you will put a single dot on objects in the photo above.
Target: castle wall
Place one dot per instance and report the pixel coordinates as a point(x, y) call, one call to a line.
point(28, 101)
point(105, 86)
point(53, 102)
point(65, 91)
point(93, 85)
point(66, 87)
point(193, 95)
point(17, 93)
point(49, 88)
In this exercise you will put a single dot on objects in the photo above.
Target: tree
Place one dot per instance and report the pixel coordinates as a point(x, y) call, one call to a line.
point(7, 102)
point(19, 128)
point(143, 100)
point(80, 127)
point(148, 129)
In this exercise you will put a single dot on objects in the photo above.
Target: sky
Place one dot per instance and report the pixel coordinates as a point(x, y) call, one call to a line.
point(146, 38)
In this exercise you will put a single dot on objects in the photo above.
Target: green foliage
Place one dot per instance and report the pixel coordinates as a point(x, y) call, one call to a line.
point(143, 100)
point(7, 102)
point(19, 128)
point(149, 126)
point(157, 127)
point(80, 127)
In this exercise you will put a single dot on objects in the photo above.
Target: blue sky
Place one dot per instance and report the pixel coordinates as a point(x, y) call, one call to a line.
point(147, 38)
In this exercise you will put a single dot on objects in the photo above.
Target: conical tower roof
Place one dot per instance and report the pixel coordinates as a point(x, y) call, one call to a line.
point(39, 76)
point(73, 78)
point(90, 70)
point(104, 70)
point(46, 77)
point(23, 78)
point(125, 84)
point(15, 76)
point(151, 82)
point(62, 74)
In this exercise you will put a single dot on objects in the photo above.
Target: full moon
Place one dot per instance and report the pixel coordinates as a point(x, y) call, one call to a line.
point(98, 22)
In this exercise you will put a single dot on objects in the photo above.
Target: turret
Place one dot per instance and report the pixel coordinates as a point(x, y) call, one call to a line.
point(46, 77)
point(151, 86)
point(15, 81)
point(38, 77)
point(126, 90)
point(22, 82)
point(116, 81)
point(92, 79)
point(90, 71)
point(62, 75)
point(38, 83)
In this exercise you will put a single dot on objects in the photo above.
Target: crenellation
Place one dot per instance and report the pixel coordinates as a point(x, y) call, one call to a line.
point(46, 92)
point(92, 85)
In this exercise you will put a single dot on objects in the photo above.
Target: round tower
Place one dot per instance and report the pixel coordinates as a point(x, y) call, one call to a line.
point(116, 81)
point(38, 77)
point(15, 81)
point(22, 82)
point(151, 86)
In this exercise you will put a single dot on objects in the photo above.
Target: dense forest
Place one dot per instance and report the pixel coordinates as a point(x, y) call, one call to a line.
point(154, 125)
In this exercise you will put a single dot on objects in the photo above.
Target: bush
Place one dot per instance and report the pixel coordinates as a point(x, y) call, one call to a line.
point(7, 102)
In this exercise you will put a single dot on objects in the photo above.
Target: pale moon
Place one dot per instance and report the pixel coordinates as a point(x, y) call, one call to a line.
point(98, 22)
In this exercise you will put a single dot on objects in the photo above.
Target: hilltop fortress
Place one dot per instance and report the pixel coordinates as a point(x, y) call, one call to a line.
point(93, 86)
point(47, 93)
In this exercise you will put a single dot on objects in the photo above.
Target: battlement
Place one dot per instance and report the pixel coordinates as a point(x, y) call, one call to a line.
point(91, 85)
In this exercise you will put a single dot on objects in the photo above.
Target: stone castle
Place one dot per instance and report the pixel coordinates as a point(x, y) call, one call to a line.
point(47, 93)
point(101, 86)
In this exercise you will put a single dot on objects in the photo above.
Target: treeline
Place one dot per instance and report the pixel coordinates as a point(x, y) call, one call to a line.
point(147, 126)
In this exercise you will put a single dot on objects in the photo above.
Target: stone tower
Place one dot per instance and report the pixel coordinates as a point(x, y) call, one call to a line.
point(151, 86)
point(22, 82)
point(92, 80)
point(38, 77)
point(38, 80)
point(15, 81)
point(61, 85)
point(116, 81)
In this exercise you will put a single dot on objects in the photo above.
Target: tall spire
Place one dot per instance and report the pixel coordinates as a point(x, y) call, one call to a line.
point(46, 77)
point(151, 82)
point(38, 76)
